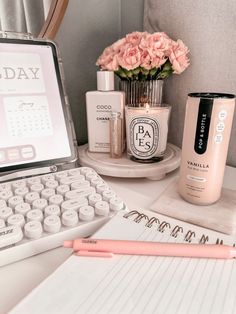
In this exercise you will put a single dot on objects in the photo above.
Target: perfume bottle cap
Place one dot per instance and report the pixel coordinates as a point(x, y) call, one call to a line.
point(105, 80)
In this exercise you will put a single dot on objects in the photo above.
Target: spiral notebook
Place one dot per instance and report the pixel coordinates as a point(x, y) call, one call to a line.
point(140, 284)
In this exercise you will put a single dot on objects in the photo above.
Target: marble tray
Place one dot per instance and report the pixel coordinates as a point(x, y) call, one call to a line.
point(126, 168)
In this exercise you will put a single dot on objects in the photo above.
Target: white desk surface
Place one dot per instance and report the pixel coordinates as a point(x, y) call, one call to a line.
point(18, 279)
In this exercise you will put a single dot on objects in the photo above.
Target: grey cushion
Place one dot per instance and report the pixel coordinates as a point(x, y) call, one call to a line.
point(208, 28)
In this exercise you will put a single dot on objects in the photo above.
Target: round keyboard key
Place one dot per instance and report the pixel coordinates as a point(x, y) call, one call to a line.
point(60, 175)
point(22, 208)
point(33, 229)
point(16, 220)
point(107, 195)
point(37, 187)
point(33, 180)
point(31, 196)
point(82, 192)
point(2, 223)
point(52, 184)
point(52, 210)
point(96, 181)
point(74, 172)
point(69, 218)
point(86, 213)
point(56, 200)
point(21, 191)
point(47, 177)
point(102, 187)
point(5, 195)
point(47, 193)
point(52, 224)
point(40, 203)
point(79, 184)
point(34, 215)
point(90, 176)
point(74, 204)
point(70, 179)
point(15, 200)
point(5, 212)
point(94, 198)
point(3, 204)
point(102, 208)
point(19, 184)
point(5, 187)
point(116, 204)
point(62, 189)
point(84, 170)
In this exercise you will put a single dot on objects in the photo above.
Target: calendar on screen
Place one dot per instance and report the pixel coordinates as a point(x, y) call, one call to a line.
point(33, 126)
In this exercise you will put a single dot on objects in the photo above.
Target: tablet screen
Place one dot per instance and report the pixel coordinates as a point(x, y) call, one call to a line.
point(33, 127)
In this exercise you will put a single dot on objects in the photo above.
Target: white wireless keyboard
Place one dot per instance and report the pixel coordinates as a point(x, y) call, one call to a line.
point(39, 213)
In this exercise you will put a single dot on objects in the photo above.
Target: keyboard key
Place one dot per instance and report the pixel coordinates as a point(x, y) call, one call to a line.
point(2, 223)
point(16, 220)
point(90, 176)
point(40, 203)
point(72, 179)
point(85, 191)
point(102, 208)
point(116, 204)
point(86, 213)
point(5, 187)
point(46, 178)
point(3, 204)
point(10, 235)
point(94, 198)
point(5, 212)
point(31, 196)
point(19, 184)
point(37, 187)
point(108, 194)
point(96, 181)
point(34, 215)
point(33, 229)
point(52, 184)
point(33, 180)
point(62, 189)
point(52, 210)
point(52, 224)
point(102, 187)
point(6, 194)
point(22, 208)
point(47, 193)
point(84, 170)
point(60, 175)
point(21, 191)
point(74, 204)
point(79, 184)
point(74, 172)
point(15, 200)
point(70, 218)
point(56, 200)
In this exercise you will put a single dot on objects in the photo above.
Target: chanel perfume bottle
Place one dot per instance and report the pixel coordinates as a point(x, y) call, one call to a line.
point(208, 122)
point(99, 105)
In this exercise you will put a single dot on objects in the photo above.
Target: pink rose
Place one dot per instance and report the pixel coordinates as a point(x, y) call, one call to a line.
point(134, 38)
point(178, 56)
point(155, 42)
point(146, 61)
point(108, 62)
point(158, 59)
point(130, 58)
point(118, 45)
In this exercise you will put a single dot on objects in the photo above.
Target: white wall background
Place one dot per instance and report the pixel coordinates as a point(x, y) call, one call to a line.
point(87, 28)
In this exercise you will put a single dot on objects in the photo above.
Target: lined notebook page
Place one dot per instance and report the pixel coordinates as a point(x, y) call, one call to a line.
point(139, 284)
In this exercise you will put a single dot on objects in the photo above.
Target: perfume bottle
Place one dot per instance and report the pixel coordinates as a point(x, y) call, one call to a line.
point(99, 105)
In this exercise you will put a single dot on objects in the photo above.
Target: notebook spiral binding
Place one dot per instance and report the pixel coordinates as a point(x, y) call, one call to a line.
point(162, 226)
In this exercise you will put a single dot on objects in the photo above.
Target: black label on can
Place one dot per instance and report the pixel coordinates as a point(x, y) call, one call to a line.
point(203, 125)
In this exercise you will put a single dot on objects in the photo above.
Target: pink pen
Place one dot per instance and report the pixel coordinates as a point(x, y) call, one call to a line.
point(106, 248)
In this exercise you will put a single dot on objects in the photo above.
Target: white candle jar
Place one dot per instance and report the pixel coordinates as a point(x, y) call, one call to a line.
point(146, 132)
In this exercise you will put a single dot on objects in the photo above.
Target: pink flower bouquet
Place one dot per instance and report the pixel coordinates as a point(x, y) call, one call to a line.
point(144, 56)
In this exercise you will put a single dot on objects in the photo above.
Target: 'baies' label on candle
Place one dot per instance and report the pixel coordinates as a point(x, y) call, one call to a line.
point(144, 136)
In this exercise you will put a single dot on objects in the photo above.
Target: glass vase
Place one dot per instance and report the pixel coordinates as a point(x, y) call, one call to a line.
point(147, 120)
